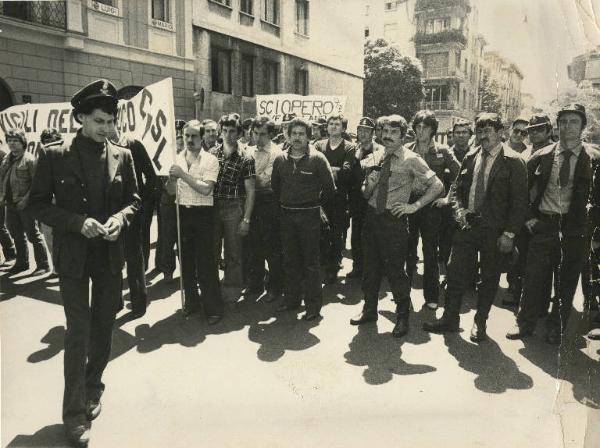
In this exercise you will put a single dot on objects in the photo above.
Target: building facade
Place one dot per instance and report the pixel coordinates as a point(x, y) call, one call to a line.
point(393, 21)
point(586, 67)
point(220, 53)
point(49, 50)
point(508, 78)
point(247, 47)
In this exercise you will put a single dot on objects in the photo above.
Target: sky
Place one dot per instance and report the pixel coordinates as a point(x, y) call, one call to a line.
point(541, 37)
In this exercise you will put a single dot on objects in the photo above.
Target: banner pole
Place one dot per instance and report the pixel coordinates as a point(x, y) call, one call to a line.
point(179, 256)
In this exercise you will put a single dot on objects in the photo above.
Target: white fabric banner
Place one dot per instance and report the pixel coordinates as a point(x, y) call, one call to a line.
point(309, 107)
point(148, 117)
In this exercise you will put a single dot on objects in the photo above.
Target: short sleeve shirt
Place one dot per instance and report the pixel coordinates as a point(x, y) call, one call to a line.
point(407, 171)
point(233, 171)
point(205, 168)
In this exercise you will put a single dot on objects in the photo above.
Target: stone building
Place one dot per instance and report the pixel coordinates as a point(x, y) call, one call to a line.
point(508, 79)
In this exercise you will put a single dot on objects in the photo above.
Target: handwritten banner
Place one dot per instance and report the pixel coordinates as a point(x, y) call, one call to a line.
point(148, 117)
point(309, 107)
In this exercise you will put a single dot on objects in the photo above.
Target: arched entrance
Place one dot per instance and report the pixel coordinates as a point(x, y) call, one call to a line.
point(128, 92)
point(7, 98)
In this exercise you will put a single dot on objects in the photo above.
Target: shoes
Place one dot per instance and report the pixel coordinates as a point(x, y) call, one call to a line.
point(432, 305)
point(594, 334)
point(478, 333)
point(518, 332)
point(168, 277)
point(136, 313)
point(443, 325)
point(93, 408)
point(311, 315)
point(553, 337)
point(41, 271)
point(78, 435)
point(18, 268)
point(354, 273)
point(212, 320)
point(249, 292)
point(364, 317)
point(330, 279)
point(401, 327)
point(188, 311)
point(288, 306)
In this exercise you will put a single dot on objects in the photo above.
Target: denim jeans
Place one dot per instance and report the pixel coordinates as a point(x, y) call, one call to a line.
point(229, 216)
point(8, 246)
point(21, 223)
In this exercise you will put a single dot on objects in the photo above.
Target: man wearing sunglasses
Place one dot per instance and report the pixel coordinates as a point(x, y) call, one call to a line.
point(518, 134)
point(539, 130)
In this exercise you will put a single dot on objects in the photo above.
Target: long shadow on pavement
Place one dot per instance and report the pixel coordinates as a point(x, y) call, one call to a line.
point(49, 436)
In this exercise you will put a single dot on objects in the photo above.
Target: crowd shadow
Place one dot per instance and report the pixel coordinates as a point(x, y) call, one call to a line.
point(51, 436)
point(381, 355)
point(23, 285)
point(568, 362)
point(55, 339)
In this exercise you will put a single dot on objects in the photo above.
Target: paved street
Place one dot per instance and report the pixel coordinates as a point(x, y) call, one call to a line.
point(262, 379)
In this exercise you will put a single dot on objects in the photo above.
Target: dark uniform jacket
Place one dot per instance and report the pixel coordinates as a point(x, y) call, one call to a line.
point(586, 188)
point(59, 174)
point(505, 204)
point(441, 161)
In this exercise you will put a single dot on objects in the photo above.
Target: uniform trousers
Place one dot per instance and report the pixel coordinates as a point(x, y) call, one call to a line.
point(359, 211)
point(136, 275)
point(88, 336)
point(385, 241)
point(167, 233)
point(336, 212)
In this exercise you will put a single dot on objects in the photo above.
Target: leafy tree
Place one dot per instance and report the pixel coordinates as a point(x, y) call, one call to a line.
point(488, 92)
point(393, 83)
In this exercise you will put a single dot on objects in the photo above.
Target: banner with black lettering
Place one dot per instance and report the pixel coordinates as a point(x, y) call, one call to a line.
point(149, 117)
point(309, 107)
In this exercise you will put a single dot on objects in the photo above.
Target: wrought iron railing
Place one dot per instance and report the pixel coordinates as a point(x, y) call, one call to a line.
point(49, 13)
point(442, 72)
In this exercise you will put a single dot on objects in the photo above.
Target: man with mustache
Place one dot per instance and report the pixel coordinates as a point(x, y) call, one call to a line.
point(301, 180)
point(561, 180)
point(491, 195)
point(393, 176)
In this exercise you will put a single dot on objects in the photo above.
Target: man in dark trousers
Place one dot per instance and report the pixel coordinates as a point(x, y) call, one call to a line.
point(560, 182)
point(301, 180)
point(491, 195)
point(363, 155)
point(340, 155)
point(93, 183)
point(393, 176)
point(137, 235)
point(426, 223)
point(6, 242)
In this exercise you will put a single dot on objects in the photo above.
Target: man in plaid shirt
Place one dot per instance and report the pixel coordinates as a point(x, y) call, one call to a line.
point(234, 201)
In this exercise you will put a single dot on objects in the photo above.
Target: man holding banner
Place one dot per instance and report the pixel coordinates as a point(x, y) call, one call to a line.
point(93, 182)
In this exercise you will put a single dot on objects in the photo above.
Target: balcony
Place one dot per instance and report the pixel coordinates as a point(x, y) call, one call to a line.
point(47, 13)
point(436, 5)
point(441, 37)
point(437, 105)
point(441, 73)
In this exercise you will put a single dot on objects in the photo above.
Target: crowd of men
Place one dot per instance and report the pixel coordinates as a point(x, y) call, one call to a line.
point(273, 211)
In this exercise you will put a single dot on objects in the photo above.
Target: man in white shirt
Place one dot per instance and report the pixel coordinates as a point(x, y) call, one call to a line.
point(264, 243)
point(194, 174)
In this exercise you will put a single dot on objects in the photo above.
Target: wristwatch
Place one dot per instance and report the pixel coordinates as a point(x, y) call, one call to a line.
point(509, 234)
point(246, 220)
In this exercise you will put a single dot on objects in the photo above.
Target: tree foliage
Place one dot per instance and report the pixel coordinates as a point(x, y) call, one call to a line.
point(488, 92)
point(393, 83)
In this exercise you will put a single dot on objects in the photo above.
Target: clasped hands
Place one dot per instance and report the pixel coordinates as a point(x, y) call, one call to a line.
point(109, 231)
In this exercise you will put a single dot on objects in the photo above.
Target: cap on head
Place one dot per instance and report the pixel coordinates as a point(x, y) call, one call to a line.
point(288, 117)
point(366, 122)
point(99, 89)
point(576, 108)
point(538, 120)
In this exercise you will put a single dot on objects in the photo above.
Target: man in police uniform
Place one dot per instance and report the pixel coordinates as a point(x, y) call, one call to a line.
point(393, 176)
point(93, 183)
point(364, 155)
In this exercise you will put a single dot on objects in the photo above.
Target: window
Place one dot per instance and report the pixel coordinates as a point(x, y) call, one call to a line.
point(390, 32)
point(223, 2)
point(436, 93)
point(457, 60)
point(301, 82)
point(221, 70)
point(160, 10)
point(247, 75)
point(106, 2)
point(466, 69)
point(247, 6)
point(270, 12)
point(366, 32)
point(302, 17)
point(271, 77)
point(437, 25)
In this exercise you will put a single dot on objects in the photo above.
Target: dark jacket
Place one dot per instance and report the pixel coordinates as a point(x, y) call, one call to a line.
point(20, 183)
point(539, 168)
point(505, 204)
point(342, 157)
point(441, 161)
point(144, 169)
point(59, 175)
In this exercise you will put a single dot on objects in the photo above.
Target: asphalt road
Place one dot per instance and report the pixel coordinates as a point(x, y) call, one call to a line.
point(263, 379)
